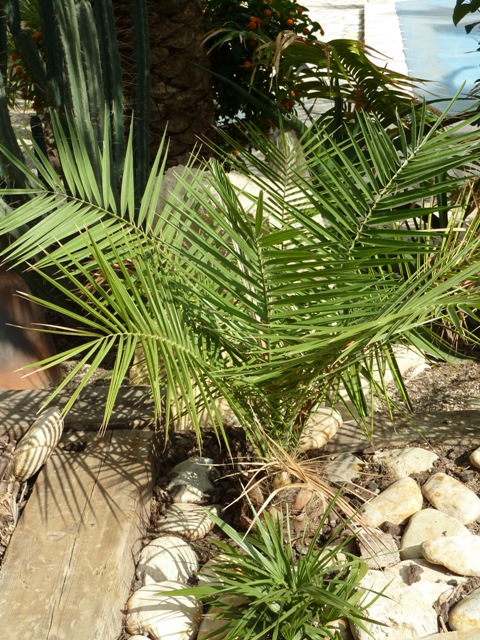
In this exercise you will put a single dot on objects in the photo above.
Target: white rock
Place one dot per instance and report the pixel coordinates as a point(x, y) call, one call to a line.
point(428, 524)
point(400, 463)
point(162, 617)
point(191, 521)
point(137, 637)
point(342, 629)
point(320, 427)
point(166, 558)
point(474, 458)
point(452, 497)
point(406, 614)
point(465, 616)
point(430, 581)
point(378, 549)
point(460, 554)
point(208, 575)
point(397, 503)
point(212, 621)
point(37, 445)
point(453, 635)
point(191, 482)
point(345, 468)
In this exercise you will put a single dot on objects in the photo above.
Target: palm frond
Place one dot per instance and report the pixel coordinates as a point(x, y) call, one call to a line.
point(274, 301)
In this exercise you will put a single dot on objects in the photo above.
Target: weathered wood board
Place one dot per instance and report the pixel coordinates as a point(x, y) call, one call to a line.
point(68, 568)
point(18, 409)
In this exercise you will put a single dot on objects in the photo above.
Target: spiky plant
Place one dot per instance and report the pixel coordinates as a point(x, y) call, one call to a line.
point(275, 302)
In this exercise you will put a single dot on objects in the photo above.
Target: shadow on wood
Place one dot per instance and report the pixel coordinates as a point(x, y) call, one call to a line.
point(20, 344)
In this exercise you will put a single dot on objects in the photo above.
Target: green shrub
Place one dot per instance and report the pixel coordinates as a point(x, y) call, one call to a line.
point(237, 30)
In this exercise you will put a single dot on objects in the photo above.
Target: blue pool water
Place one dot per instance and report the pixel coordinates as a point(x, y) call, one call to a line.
point(437, 50)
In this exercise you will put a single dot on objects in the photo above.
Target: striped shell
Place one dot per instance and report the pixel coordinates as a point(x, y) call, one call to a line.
point(37, 444)
point(190, 521)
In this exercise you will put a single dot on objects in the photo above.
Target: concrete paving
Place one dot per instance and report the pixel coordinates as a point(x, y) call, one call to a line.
point(374, 22)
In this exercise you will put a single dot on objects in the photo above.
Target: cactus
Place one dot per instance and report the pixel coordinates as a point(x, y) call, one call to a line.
point(81, 76)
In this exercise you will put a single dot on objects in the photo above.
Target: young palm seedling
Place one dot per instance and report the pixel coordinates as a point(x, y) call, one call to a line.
point(261, 587)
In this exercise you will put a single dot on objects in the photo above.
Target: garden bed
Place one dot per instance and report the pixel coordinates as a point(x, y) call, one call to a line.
point(452, 391)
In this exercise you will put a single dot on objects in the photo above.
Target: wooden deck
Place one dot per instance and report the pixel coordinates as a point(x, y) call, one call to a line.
point(68, 568)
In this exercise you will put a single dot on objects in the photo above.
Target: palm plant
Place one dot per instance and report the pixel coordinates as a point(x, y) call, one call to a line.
point(275, 302)
point(259, 587)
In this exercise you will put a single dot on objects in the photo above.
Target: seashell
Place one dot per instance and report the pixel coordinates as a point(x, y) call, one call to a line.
point(162, 617)
point(37, 445)
point(320, 427)
point(166, 558)
point(212, 622)
point(191, 482)
point(190, 521)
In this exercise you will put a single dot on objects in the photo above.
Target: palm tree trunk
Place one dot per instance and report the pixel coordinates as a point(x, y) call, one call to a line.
point(181, 99)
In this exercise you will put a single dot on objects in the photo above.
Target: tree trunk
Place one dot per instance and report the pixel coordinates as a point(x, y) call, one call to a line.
point(181, 98)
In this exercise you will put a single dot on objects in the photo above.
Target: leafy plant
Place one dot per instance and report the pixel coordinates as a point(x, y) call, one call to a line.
point(236, 29)
point(259, 587)
point(278, 301)
point(268, 64)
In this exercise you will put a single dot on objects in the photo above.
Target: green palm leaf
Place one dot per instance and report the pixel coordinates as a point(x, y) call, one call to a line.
point(275, 301)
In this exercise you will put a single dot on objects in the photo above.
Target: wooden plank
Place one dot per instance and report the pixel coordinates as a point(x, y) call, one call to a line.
point(68, 568)
point(460, 427)
point(133, 409)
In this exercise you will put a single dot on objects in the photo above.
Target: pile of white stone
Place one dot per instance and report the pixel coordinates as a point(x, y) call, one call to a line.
point(437, 551)
point(168, 561)
point(436, 555)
